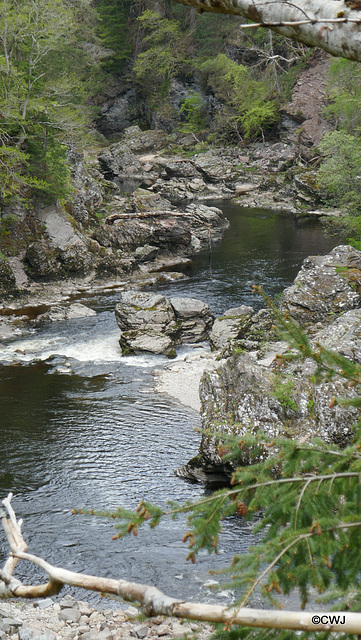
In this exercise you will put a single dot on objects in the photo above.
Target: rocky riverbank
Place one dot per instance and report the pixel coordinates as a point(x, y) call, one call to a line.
point(251, 389)
point(77, 620)
point(125, 217)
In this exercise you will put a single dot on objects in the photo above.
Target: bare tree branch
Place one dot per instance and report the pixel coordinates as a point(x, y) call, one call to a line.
point(334, 25)
point(153, 601)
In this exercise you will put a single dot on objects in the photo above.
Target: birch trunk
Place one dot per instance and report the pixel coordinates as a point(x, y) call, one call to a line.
point(332, 25)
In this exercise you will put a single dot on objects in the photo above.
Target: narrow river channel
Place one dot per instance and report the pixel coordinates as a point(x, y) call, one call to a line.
point(82, 427)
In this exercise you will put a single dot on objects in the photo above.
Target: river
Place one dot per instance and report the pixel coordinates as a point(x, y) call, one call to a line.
point(82, 427)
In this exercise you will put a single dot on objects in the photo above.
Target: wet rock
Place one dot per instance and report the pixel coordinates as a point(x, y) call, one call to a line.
point(151, 323)
point(229, 326)
point(325, 286)
point(207, 223)
point(71, 312)
point(249, 391)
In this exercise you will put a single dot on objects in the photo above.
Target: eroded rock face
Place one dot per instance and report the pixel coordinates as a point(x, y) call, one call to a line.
point(152, 323)
point(147, 323)
point(244, 395)
point(194, 319)
point(163, 227)
point(62, 251)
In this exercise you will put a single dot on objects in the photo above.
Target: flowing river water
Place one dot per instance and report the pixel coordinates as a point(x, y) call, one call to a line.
point(82, 427)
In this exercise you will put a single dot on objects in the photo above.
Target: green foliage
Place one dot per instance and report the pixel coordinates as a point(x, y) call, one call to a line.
point(282, 390)
point(114, 31)
point(49, 163)
point(245, 98)
point(163, 56)
point(193, 110)
point(13, 176)
point(46, 74)
point(260, 115)
point(344, 90)
point(340, 173)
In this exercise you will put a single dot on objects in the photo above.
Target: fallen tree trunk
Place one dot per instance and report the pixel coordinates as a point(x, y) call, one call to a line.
point(153, 601)
point(146, 214)
point(333, 26)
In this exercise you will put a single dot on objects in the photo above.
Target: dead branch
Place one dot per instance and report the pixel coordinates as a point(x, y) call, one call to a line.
point(153, 601)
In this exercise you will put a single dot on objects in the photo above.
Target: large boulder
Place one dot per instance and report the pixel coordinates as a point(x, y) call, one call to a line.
point(244, 394)
point(325, 286)
point(151, 323)
point(119, 111)
point(7, 279)
point(229, 326)
point(147, 323)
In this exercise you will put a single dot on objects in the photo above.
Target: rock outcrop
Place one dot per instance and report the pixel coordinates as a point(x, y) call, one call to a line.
point(325, 286)
point(230, 326)
point(251, 391)
point(152, 323)
point(7, 278)
point(152, 227)
point(62, 250)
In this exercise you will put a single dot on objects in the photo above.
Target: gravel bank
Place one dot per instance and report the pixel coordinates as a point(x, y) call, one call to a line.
point(75, 619)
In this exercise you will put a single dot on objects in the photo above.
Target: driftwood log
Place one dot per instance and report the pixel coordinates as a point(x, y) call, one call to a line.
point(153, 601)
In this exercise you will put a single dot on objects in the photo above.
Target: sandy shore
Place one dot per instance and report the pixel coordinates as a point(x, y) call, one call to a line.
point(181, 377)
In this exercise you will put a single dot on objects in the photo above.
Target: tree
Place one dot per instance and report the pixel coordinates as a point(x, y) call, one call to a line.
point(165, 52)
point(42, 89)
point(333, 26)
